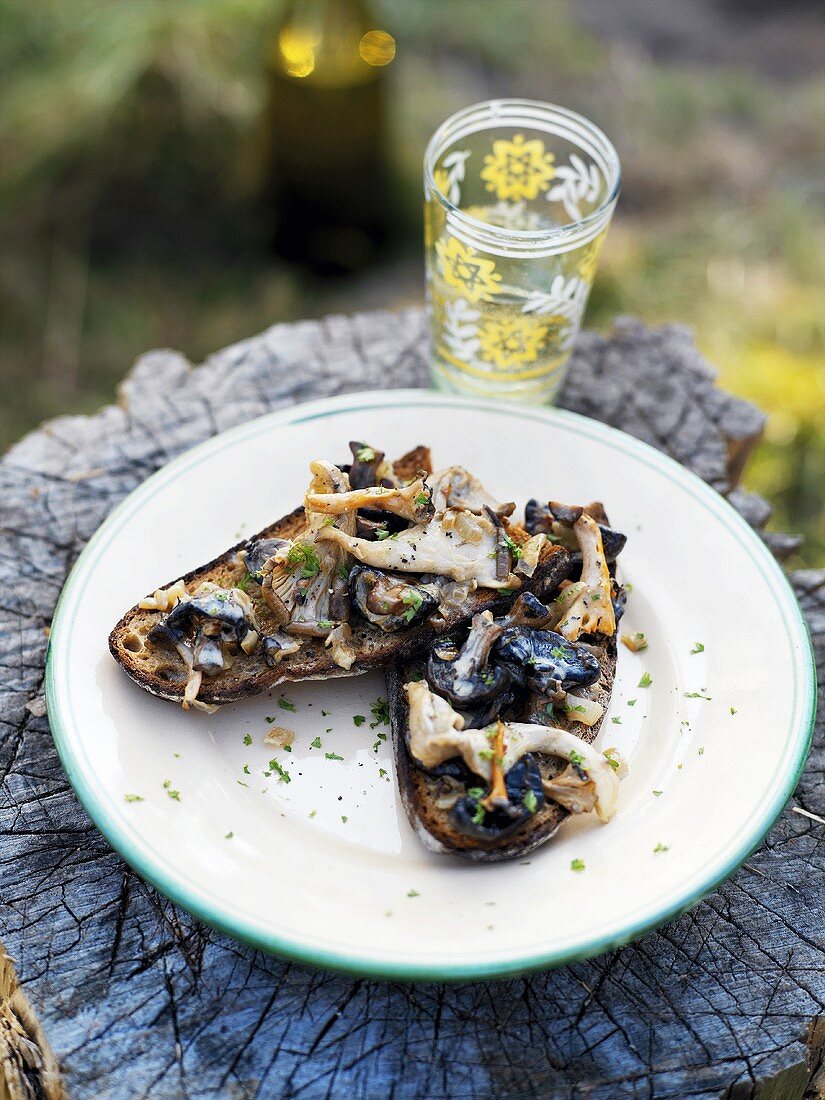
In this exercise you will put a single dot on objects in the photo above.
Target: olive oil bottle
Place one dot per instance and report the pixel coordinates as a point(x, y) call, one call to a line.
point(325, 188)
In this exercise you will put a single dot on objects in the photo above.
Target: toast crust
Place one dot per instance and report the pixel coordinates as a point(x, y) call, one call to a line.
point(420, 790)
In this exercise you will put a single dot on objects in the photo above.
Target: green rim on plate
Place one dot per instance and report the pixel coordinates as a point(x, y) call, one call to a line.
point(120, 837)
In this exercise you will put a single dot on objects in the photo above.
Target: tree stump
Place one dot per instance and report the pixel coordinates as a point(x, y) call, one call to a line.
point(138, 999)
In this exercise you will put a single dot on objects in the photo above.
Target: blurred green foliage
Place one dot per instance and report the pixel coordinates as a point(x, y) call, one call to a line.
point(131, 137)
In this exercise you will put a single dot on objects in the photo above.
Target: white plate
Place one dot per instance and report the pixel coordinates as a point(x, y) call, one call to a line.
point(325, 868)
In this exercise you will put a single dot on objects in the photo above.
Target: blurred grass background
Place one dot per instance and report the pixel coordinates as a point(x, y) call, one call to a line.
point(131, 135)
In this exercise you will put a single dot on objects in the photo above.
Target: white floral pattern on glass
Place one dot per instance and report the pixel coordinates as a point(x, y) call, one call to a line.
point(565, 302)
point(566, 298)
point(460, 332)
point(580, 183)
point(450, 175)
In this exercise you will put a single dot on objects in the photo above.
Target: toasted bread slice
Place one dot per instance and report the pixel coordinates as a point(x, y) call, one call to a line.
point(421, 791)
point(159, 670)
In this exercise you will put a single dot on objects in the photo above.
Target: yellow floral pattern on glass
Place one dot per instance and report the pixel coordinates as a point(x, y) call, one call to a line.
point(464, 270)
point(518, 169)
point(590, 259)
point(441, 178)
point(511, 342)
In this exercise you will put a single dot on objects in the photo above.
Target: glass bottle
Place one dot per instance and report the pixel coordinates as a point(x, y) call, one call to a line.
point(325, 167)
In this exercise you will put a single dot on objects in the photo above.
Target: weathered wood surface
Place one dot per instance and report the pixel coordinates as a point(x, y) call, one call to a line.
point(140, 1000)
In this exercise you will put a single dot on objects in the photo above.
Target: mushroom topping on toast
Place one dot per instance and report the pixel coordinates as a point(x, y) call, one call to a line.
point(437, 733)
point(586, 606)
point(257, 553)
point(557, 520)
point(387, 600)
point(304, 583)
point(398, 550)
point(544, 661)
point(455, 487)
point(412, 502)
point(208, 629)
point(462, 675)
point(369, 467)
point(455, 543)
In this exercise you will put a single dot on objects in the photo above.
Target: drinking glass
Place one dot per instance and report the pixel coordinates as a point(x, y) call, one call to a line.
point(518, 199)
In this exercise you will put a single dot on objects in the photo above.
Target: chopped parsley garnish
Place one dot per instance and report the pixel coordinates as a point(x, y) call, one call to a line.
point(285, 704)
point(316, 744)
point(558, 652)
point(246, 769)
point(241, 783)
point(332, 756)
point(656, 794)
point(167, 786)
point(612, 761)
point(325, 624)
point(358, 719)
point(133, 798)
point(413, 599)
point(574, 709)
point(365, 454)
point(381, 737)
point(577, 865)
point(413, 894)
point(475, 792)
point(701, 750)
point(575, 758)
point(382, 772)
point(243, 583)
point(344, 818)
point(422, 498)
point(478, 815)
point(229, 836)
point(646, 680)
point(486, 754)
point(698, 648)
point(382, 533)
point(380, 711)
point(281, 772)
point(325, 714)
point(530, 802)
point(287, 748)
point(513, 547)
point(312, 813)
point(617, 720)
point(488, 677)
point(548, 710)
point(661, 847)
point(344, 571)
point(631, 702)
point(697, 695)
point(247, 739)
point(304, 555)
point(733, 710)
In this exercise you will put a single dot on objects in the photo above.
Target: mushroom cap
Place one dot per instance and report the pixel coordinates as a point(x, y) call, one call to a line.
point(544, 661)
point(387, 600)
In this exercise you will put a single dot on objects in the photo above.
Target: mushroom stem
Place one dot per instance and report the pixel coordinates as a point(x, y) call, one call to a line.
point(412, 502)
point(498, 791)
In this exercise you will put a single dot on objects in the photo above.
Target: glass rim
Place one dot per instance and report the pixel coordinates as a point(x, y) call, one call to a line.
point(502, 109)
